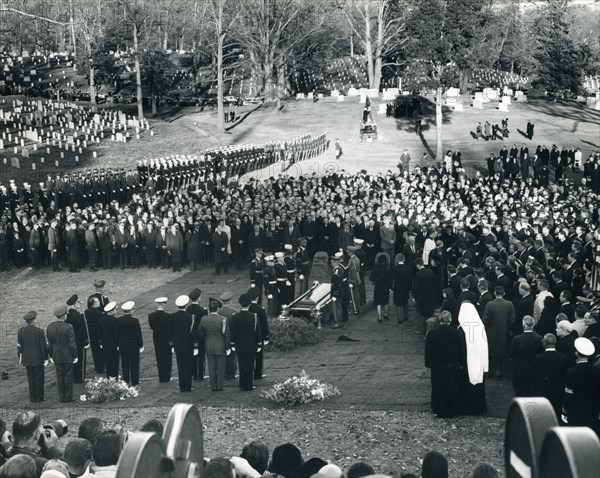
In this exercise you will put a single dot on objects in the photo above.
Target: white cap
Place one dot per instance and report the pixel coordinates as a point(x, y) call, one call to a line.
point(270, 258)
point(128, 306)
point(338, 255)
point(288, 247)
point(585, 346)
point(182, 301)
point(161, 300)
point(110, 306)
point(358, 241)
point(279, 255)
point(331, 471)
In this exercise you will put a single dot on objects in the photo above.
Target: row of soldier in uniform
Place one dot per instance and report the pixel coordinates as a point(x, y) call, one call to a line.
point(277, 274)
point(220, 337)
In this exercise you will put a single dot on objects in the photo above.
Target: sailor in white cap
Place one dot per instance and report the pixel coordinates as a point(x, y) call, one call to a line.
point(270, 284)
point(107, 337)
point(581, 406)
point(159, 323)
point(362, 256)
point(281, 275)
point(130, 344)
point(180, 338)
point(290, 269)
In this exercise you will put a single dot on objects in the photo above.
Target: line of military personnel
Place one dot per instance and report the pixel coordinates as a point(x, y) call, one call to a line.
point(221, 338)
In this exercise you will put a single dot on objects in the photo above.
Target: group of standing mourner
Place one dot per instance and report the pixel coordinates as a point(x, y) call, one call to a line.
point(221, 337)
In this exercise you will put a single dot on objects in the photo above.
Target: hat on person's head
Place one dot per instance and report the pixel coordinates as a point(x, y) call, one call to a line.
point(352, 248)
point(286, 460)
point(195, 294)
point(99, 283)
point(128, 306)
point(30, 316)
point(215, 301)
point(358, 242)
point(72, 300)
point(288, 247)
point(182, 301)
point(110, 306)
point(269, 258)
point(161, 300)
point(245, 300)
point(331, 471)
point(253, 292)
point(60, 311)
point(258, 249)
point(311, 467)
point(302, 239)
point(279, 255)
point(584, 346)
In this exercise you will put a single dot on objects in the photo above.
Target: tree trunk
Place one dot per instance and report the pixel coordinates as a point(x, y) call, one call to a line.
point(220, 106)
point(269, 90)
point(138, 73)
point(92, 82)
point(282, 81)
point(166, 40)
point(351, 45)
point(369, 47)
point(153, 101)
point(438, 123)
point(72, 28)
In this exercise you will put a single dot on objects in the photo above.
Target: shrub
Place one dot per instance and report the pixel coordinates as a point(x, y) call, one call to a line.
point(291, 333)
point(100, 390)
point(298, 390)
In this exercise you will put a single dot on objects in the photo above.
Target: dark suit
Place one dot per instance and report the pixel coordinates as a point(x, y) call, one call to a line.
point(582, 396)
point(246, 337)
point(181, 338)
point(523, 349)
point(159, 323)
point(548, 371)
point(92, 316)
point(498, 316)
point(425, 294)
point(261, 313)
point(62, 350)
point(197, 312)
point(214, 333)
point(107, 327)
point(31, 345)
point(569, 310)
point(523, 307)
point(81, 340)
point(445, 355)
point(129, 339)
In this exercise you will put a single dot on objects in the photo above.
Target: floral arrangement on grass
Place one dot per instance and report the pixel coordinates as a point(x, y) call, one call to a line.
point(291, 333)
point(299, 390)
point(100, 390)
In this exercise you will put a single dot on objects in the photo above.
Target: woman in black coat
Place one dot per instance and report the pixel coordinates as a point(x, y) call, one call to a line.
point(381, 278)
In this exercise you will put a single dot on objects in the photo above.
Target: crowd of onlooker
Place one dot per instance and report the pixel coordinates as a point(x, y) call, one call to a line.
point(32, 451)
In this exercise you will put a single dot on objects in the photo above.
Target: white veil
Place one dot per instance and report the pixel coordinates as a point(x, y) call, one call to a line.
point(476, 339)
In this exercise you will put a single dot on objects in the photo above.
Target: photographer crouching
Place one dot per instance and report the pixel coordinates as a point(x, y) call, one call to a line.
point(37, 441)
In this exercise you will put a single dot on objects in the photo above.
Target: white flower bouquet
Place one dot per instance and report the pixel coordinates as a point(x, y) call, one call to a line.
point(298, 390)
point(100, 390)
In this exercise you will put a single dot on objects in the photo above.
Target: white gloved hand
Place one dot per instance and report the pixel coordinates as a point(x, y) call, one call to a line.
point(45, 363)
point(141, 349)
point(301, 276)
point(195, 352)
point(334, 299)
point(270, 296)
point(288, 283)
point(228, 352)
point(75, 360)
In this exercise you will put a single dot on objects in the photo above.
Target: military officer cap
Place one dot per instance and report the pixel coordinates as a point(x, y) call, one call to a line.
point(258, 249)
point(279, 255)
point(60, 311)
point(584, 346)
point(269, 258)
point(359, 242)
point(161, 300)
point(288, 247)
point(253, 292)
point(225, 296)
point(30, 316)
point(245, 300)
point(182, 301)
point(110, 306)
point(337, 257)
point(72, 300)
point(128, 306)
point(215, 301)
point(195, 294)
point(99, 283)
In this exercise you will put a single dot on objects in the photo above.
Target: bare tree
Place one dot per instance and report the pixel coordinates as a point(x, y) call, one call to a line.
point(381, 30)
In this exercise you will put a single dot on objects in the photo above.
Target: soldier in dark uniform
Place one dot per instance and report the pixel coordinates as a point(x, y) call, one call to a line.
point(246, 339)
point(197, 311)
point(261, 313)
point(271, 291)
point(107, 326)
point(182, 340)
point(581, 407)
point(362, 256)
point(290, 269)
point(131, 344)
point(159, 323)
point(99, 294)
point(33, 355)
point(92, 316)
point(63, 353)
point(281, 275)
point(256, 271)
point(75, 318)
point(337, 291)
point(302, 265)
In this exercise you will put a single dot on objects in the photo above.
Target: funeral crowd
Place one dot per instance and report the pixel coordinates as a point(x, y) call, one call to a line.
point(32, 452)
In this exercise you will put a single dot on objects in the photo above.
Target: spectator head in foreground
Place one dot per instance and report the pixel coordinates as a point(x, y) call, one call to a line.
point(55, 469)
point(19, 466)
point(435, 465)
point(360, 469)
point(107, 449)
point(484, 470)
point(311, 467)
point(153, 425)
point(78, 456)
point(286, 461)
point(219, 468)
point(257, 454)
